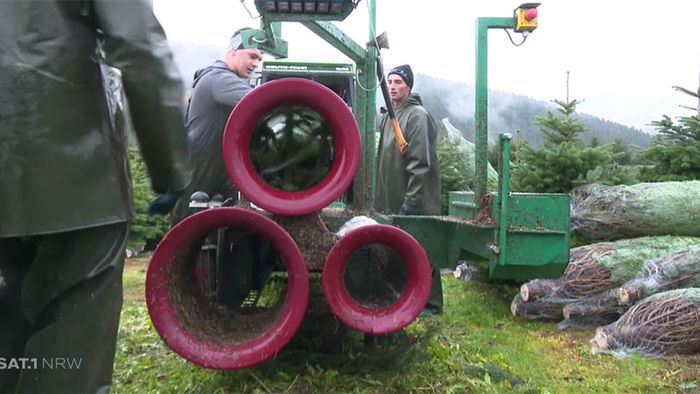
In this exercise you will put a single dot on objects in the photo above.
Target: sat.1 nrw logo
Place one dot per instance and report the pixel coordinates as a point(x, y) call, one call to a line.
point(28, 363)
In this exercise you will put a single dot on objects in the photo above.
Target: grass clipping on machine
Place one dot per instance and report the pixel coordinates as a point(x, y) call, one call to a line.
point(312, 236)
point(596, 268)
point(662, 324)
point(600, 212)
point(205, 318)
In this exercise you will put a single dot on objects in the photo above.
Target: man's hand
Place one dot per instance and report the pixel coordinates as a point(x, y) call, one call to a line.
point(163, 204)
point(408, 210)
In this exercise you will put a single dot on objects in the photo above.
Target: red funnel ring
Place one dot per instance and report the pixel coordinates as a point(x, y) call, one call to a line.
point(256, 104)
point(217, 355)
point(412, 300)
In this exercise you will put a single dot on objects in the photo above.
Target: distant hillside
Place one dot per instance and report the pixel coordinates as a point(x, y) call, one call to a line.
point(509, 112)
point(455, 100)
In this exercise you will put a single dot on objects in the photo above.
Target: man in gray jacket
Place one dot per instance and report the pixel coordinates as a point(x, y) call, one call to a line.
point(216, 90)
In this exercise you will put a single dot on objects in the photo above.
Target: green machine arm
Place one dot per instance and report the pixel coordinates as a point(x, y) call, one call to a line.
point(521, 235)
point(268, 39)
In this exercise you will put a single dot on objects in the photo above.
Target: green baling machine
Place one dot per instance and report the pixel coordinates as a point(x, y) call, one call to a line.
point(215, 289)
point(521, 235)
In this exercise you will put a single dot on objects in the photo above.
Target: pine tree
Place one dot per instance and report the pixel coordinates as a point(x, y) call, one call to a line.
point(143, 227)
point(621, 152)
point(563, 162)
point(675, 152)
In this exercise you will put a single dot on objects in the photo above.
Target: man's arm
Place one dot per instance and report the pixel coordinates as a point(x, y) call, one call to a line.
point(417, 161)
point(136, 44)
point(230, 89)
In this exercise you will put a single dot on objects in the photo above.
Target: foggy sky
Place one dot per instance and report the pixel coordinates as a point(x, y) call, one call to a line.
point(623, 56)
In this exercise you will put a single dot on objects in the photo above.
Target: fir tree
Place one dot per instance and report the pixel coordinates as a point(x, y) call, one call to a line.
point(675, 152)
point(563, 162)
point(143, 227)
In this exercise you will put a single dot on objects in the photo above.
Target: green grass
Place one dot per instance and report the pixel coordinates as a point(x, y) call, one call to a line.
point(476, 345)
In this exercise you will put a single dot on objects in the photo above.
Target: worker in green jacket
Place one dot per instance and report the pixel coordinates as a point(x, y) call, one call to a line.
point(409, 183)
point(65, 194)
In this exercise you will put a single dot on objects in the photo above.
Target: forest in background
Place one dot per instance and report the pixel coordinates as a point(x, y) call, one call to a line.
point(509, 112)
point(455, 100)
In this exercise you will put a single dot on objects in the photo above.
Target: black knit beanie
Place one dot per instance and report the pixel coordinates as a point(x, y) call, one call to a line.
point(404, 71)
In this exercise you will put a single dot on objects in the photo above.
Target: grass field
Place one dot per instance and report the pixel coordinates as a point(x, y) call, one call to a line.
point(476, 345)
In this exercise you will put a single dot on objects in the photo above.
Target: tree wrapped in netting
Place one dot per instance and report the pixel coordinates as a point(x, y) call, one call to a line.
point(600, 212)
point(662, 324)
point(536, 310)
point(593, 311)
point(681, 269)
point(596, 268)
point(466, 155)
point(673, 271)
point(453, 171)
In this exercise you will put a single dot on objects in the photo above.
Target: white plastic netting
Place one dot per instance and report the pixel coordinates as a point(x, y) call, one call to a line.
point(661, 324)
point(600, 212)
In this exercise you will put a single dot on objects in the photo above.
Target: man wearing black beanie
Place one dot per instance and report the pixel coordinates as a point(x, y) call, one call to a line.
point(409, 183)
point(405, 72)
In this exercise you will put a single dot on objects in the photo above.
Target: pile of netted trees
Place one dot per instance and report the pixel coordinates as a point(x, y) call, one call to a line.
point(642, 293)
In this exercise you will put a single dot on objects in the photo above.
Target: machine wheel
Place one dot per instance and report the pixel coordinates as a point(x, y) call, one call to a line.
point(377, 320)
point(259, 102)
point(176, 250)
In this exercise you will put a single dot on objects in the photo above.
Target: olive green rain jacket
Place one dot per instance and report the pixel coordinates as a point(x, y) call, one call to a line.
point(413, 177)
point(63, 163)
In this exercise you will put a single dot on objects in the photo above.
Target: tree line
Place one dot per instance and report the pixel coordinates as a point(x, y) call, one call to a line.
point(508, 113)
point(565, 161)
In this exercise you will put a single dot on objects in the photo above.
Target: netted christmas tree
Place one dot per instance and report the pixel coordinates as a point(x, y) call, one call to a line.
point(662, 324)
point(457, 158)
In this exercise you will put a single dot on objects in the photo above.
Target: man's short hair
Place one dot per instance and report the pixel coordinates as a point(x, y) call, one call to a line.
point(236, 41)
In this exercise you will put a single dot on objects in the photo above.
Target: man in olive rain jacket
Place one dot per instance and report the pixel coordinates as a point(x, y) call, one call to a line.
point(409, 183)
point(65, 195)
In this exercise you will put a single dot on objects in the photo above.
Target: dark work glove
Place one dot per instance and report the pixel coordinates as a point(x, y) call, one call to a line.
point(163, 204)
point(408, 210)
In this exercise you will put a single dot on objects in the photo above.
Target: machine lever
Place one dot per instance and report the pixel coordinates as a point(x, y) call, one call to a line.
point(382, 41)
